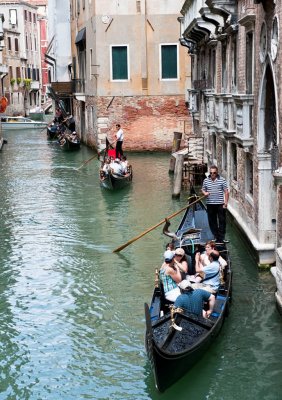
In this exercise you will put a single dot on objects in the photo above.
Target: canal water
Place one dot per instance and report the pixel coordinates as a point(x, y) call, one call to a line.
point(72, 311)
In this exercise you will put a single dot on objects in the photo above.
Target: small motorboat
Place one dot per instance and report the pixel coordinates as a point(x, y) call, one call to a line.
point(20, 122)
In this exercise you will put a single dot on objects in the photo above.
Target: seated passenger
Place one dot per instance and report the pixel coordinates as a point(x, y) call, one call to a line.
point(181, 261)
point(170, 277)
point(211, 277)
point(170, 246)
point(193, 300)
point(106, 166)
point(116, 167)
point(204, 257)
point(124, 164)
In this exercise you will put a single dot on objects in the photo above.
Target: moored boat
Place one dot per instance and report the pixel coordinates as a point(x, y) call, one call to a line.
point(19, 122)
point(175, 339)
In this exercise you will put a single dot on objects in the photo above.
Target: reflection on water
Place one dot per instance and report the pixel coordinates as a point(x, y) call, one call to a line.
point(72, 321)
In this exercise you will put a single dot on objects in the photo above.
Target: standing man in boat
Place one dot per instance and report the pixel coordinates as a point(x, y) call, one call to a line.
point(215, 188)
point(119, 141)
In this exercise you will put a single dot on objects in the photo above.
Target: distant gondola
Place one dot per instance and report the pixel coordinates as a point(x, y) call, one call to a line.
point(54, 130)
point(175, 341)
point(111, 180)
point(69, 141)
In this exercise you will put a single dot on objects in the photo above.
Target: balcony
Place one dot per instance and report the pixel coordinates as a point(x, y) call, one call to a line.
point(193, 103)
point(63, 88)
point(244, 120)
point(34, 85)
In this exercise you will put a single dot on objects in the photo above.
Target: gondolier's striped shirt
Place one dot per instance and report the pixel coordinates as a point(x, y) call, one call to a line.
point(216, 189)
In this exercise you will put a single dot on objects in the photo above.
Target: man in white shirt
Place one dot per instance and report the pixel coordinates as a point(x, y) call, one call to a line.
point(119, 141)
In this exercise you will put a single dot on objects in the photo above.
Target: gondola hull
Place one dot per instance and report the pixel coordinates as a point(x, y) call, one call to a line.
point(115, 182)
point(68, 144)
point(173, 352)
point(53, 132)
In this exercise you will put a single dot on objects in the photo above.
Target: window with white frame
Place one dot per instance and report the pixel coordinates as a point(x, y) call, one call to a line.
point(119, 63)
point(169, 61)
point(13, 17)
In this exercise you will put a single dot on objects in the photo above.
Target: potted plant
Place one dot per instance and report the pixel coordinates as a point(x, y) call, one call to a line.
point(27, 83)
point(12, 82)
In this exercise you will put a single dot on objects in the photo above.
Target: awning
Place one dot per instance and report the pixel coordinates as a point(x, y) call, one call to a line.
point(81, 36)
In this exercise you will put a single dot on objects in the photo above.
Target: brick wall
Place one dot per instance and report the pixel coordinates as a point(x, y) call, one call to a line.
point(148, 121)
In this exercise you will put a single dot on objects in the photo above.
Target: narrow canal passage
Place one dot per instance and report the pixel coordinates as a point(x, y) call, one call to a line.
point(72, 324)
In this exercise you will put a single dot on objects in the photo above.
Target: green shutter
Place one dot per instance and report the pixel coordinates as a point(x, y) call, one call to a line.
point(119, 62)
point(169, 61)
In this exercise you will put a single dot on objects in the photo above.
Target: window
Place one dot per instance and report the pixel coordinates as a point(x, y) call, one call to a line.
point(234, 64)
point(169, 61)
point(18, 72)
point(234, 161)
point(119, 61)
point(13, 17)
point(9, 43)
point(249, 174)
point(249, 63)
point(213, 149)
point(212, 68)
point(224, 156)
point(224, 67)
point(16, 44)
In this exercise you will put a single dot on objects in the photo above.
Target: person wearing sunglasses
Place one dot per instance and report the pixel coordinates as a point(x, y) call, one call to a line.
point(216, 190)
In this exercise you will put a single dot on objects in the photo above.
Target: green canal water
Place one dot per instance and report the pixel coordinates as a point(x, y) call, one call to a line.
point(72, 320)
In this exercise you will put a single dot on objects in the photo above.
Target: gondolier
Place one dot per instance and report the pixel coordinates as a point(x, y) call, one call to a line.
point(119, 141)
point(216, 190)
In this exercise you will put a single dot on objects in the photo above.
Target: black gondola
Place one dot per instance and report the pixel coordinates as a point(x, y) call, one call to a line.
point(111, 180)
point(54, 130)
point(69, 141)
point(176, 340)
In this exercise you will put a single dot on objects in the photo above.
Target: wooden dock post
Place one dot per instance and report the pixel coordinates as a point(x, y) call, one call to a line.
point(175, 147)
point(178, 175)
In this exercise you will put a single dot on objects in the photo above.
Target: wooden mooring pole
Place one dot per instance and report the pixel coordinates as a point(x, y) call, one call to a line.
point(175, 147)
point(178, 175)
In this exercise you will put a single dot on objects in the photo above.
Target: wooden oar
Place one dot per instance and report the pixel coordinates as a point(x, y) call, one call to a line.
point(155, 226)
point(85, 162)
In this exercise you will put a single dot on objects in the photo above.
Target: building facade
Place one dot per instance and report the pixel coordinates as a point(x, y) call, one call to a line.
point(234, 100)
point(58, 54)
point(21, 54)
point(129, 68)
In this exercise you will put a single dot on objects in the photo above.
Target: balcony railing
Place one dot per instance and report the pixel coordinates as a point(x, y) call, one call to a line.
point(202, 84)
